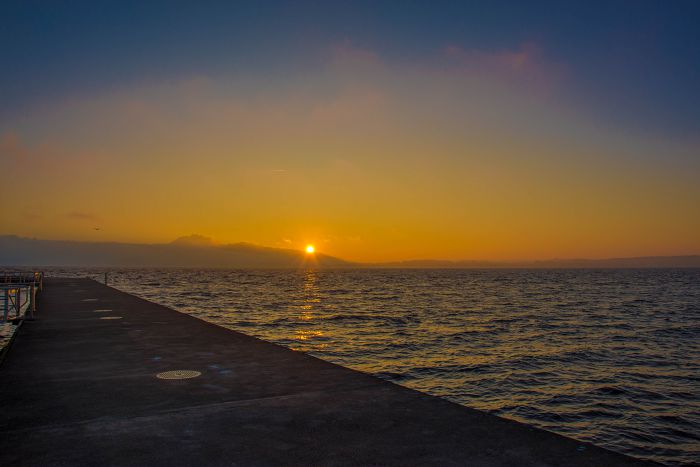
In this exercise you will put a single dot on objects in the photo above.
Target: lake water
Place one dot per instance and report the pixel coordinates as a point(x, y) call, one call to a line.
point(606, 356)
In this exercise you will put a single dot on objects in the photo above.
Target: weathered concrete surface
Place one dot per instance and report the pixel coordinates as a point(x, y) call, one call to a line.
point(77, 389)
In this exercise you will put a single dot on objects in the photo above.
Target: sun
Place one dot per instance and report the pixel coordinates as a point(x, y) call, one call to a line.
point(310, 249)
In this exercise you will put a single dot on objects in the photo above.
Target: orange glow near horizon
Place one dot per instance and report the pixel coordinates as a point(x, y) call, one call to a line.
point(489, 173)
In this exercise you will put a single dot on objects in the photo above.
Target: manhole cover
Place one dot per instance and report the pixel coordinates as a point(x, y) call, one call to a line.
point(101, 311)
point(178, 374)
point(111, 317)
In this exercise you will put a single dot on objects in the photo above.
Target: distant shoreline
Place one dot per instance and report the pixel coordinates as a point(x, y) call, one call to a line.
point(18, 251)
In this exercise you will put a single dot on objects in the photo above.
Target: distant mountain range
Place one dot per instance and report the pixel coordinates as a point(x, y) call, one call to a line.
point(197, 251)
point(193, 251)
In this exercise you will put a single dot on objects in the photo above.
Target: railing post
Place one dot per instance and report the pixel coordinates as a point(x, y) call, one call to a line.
point(7, 304)
point(32, 300)
point(105, 278)
point(18, 301)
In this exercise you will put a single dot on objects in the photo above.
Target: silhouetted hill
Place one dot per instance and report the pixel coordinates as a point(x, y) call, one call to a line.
point(193, 251)
point(198, 251)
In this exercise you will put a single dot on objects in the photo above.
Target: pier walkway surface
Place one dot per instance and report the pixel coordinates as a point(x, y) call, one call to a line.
point(79, 387)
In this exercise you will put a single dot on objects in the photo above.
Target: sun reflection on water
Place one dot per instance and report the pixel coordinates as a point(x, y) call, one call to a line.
point(307, 304)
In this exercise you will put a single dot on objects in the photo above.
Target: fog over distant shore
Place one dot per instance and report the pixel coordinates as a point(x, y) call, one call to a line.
point(197, 251)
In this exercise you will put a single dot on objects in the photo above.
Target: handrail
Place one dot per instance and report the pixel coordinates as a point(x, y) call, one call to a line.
point(14, 286)
point(21, 277)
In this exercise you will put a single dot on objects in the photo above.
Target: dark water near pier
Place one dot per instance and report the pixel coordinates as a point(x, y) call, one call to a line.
point(606, 356)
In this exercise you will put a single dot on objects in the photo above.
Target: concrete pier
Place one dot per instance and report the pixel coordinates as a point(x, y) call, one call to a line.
point(79, 387)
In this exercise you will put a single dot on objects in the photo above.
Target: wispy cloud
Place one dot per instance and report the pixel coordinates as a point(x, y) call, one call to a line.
point(346, 54)
point(82, 216)
point(525, 65)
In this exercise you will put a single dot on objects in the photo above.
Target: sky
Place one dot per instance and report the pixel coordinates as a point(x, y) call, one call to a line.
point(376, 131)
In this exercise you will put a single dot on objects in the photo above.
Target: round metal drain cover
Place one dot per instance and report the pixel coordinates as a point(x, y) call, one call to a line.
point(178, 374)
point(111, 317)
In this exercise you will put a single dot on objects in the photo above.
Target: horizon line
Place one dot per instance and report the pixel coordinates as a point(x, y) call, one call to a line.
point(502, 262)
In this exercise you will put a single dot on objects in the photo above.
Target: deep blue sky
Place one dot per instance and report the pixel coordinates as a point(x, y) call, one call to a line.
point(634, 62)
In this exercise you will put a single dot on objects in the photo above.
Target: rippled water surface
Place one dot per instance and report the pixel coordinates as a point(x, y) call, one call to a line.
point(606, 356)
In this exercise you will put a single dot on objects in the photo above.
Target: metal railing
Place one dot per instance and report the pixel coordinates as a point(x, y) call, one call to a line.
point(18, 292)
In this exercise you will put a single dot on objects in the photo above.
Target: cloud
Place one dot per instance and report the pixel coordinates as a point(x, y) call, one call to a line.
point(32, 216)
point(193, 240)
point(523, 65)
point(345, 55)
point(82, 216)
